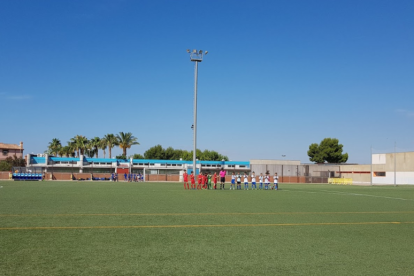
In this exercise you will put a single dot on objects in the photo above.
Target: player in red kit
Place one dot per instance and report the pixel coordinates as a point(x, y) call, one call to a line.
point(200, 180)
point(215, 180)
point(193, 185)
point(205, 180)
point(185, 177)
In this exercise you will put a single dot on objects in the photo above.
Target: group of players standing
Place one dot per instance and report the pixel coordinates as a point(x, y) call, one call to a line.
point(209, 182)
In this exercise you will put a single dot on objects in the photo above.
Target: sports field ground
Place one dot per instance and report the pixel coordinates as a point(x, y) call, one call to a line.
point(106, 228)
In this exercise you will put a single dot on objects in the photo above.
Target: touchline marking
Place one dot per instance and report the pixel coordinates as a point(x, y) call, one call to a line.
point(355, 194)
point(204, 214)
point(352, 194)
point(204, 226)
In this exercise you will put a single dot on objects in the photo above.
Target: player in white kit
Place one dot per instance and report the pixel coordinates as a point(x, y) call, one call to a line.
point(246, 181)
point(267, 181)
point(254, 181)
point(261, 181)
point(275, 181)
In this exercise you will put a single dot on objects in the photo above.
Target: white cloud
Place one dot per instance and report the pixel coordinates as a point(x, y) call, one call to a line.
point(19, 98)
point(405, 112)
point(9, 96)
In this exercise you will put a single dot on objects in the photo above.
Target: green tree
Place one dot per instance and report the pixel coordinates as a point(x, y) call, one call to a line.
point(9, 162)
point(169, 154)
point(103, 145)
point(61, 151)
point(89, 150)
point(4, 166)
point(95, 144)
point(156, 152)
point(67, 151)
point(137, 156)
point(126, 140)
point(80, 144)
point(111, 141)
point(70, 148)
point(329, 150)
point(120, 157)
point(187, 155)
point(54, 146)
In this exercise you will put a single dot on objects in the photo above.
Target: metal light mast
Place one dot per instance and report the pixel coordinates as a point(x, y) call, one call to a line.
point(196, 56)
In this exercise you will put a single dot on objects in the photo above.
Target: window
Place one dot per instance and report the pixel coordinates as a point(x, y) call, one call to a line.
point(5, 152)
point(381, 174)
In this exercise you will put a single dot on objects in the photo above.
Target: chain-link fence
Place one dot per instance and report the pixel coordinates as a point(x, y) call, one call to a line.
point(312, 173)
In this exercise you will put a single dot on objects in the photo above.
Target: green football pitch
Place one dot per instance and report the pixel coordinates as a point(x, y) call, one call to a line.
point(105, 228)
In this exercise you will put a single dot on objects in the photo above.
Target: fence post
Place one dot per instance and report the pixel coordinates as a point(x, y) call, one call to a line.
point(282, 172)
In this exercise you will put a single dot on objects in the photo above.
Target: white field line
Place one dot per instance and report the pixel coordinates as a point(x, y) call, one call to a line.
point(355, 194)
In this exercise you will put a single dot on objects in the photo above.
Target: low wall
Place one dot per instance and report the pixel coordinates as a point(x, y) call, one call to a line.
point(162, 177)
point(169, 177)
point(4, 175)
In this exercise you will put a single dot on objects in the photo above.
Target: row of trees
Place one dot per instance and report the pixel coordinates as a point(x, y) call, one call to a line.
point(158, 152)
point(9, 162)
point(329, 150)
point(82, 145)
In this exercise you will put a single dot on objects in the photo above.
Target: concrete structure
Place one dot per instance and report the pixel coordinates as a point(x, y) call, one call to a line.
point(10, 150)
point(52, 164)
point(393, 168)
point(386, 169)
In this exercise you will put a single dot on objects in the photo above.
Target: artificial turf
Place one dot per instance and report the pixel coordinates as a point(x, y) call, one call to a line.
point(106, 228)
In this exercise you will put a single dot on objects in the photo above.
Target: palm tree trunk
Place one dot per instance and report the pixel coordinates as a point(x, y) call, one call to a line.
point(110, 152)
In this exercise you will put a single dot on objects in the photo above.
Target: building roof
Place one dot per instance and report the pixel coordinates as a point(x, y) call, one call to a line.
point(9, 146)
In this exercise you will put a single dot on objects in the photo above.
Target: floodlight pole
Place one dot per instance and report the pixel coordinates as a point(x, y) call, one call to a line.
point(195, 119)
point(196, 56)
point(395, 164)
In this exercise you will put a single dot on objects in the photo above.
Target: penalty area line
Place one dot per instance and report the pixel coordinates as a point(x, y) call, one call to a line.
point(205, 226)
point(208, 214)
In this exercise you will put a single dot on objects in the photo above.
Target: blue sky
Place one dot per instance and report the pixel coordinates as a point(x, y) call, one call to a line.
point(279, 75)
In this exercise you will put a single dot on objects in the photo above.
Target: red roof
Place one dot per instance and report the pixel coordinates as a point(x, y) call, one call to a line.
point(9, 146)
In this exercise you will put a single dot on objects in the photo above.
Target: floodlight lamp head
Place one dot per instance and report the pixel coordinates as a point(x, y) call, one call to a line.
point(206, 52)
point(188, 50)
point(194, 51)
point(200, 52)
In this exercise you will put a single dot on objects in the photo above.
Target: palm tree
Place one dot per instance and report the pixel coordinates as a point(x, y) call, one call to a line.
point(80, 143)
point(66, 151)
point(90, 151)
point(71, 149)
point(125, 141)
point(103, 144)
point(111, 141)
point(95, 143)
point(61, 151)
point(54, 146)
point(74, 145)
